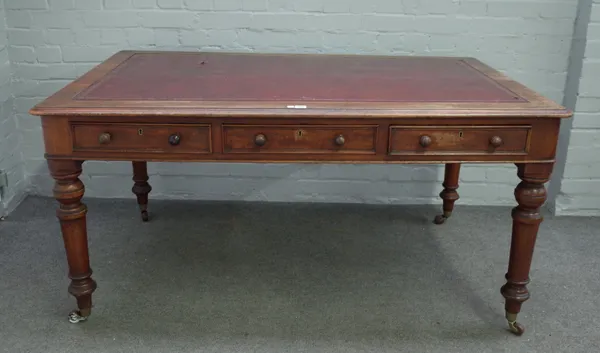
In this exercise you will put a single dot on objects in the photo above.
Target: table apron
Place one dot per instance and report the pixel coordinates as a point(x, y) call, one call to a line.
point(293, 140)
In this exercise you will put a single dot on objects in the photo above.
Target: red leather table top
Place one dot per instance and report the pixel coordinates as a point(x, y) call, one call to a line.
point(192, 84)
point(219, 77)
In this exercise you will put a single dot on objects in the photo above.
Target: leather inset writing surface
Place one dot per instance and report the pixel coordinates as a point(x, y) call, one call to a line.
point(217, 77)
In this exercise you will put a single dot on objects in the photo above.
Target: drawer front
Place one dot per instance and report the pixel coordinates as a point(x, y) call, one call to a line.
point(299, 139)
point(159, 138)
point(511, 140)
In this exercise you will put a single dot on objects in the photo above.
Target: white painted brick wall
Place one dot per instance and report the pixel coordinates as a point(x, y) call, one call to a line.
point(11, 158)
point(580, 192)
point(54, 41)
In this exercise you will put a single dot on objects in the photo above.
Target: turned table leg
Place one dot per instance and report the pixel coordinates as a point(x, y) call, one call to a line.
point(141, 188)
point(449, 194)
point(68, 191)
point(530, 195)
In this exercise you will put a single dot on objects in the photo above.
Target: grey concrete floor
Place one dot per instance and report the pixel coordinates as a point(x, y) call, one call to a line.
point(254, 277)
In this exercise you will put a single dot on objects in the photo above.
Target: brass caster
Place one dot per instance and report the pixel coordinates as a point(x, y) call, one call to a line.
point(440, 219)
point(76, 317)
point(144, 212)
point(513, 325)
point(516, 328)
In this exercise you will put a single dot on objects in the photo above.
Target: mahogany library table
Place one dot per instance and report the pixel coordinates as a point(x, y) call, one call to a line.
point(299, 108)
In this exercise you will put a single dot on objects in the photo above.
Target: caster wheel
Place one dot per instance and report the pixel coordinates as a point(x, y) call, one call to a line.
point(145, 216)
point(516, 328)
point(440, 219)
point(75, 317)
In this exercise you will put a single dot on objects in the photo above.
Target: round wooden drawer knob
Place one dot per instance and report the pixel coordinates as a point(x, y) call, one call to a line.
point(496, 141)
point(260, 139)
point(104, 138)
point(340, 140)
point(174, 139)
point(425, 141)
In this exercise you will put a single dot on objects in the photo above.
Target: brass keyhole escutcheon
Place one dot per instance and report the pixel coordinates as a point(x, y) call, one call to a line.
point(299, 134)
point(460, 134)
point(140, 132)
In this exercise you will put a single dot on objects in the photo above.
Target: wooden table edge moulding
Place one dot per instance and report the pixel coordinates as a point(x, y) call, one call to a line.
point(142, 106)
